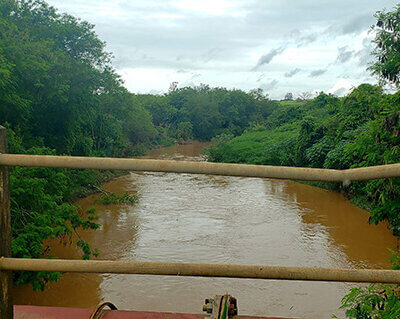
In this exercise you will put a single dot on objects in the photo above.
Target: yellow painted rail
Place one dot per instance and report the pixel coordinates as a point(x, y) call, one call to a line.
point(202, 270)
point(279, 172)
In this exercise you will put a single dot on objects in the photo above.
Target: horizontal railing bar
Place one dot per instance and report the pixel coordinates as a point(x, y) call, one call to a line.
point(202, 270)
point(133, 164)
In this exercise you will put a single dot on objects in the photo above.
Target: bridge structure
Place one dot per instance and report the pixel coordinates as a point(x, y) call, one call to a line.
point(265, 272)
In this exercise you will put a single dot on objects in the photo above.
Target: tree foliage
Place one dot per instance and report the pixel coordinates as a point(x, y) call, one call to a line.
point(373, 302)
point(202, 112)
point(387, 46)
point(58, 95)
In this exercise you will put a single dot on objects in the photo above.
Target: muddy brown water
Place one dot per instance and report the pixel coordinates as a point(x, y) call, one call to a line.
point(216, 219)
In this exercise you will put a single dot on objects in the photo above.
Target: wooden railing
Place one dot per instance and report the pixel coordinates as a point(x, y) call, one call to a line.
point(8, 264)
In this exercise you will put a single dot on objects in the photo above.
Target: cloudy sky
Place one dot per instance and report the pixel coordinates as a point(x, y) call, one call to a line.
point(278, 45)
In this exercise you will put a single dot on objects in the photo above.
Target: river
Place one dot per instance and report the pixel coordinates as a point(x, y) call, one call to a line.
point(217, 219)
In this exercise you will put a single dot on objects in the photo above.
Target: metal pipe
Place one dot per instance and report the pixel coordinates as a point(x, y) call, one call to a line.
point(131, 164)
point(202, 270)
point(6, 278)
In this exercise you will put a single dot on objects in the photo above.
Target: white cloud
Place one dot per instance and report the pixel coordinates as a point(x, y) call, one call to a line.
point(341, 87)
point(293, 72)
point(220, 41)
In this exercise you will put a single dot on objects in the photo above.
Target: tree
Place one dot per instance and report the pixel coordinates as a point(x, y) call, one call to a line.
point(259, 94)
point(184, 131)
point(303, 96)
point(59, 95)
point(173, 87)
point(288, 96)
point(323, 100)
point(387, 50)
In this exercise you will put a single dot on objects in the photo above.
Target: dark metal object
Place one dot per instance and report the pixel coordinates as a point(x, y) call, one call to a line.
point(221, 307)
point(99, 311)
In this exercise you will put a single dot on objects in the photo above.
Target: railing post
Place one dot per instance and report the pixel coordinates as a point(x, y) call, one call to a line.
point(6, 300)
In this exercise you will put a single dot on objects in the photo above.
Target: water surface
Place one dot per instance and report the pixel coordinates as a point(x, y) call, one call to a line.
point(217, 219)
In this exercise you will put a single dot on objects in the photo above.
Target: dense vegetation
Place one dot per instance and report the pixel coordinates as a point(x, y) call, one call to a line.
point(203, 112)
point(59, 94)
point(361, 129)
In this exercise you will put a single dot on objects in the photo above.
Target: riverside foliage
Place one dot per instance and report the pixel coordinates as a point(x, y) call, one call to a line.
point(59, 94)
point(361, 129)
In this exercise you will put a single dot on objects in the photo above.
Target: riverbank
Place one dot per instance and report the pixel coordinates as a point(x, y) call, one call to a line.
point(100, 177)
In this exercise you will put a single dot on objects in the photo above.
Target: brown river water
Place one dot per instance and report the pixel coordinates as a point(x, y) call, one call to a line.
point(217, 219)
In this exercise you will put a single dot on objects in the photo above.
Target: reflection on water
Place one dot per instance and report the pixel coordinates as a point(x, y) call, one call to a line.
point(217, 219)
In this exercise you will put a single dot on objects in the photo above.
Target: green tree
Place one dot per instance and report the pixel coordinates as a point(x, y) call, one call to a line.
point(184, 131)
point(39, 213)
point(387, 46)
point(288, 96)
point(59, 95)
point(308, 135)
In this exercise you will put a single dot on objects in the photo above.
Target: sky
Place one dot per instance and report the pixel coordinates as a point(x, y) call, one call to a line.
point(279, 46)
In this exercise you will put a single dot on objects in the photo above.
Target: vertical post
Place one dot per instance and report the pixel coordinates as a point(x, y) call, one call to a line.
point(6, 301)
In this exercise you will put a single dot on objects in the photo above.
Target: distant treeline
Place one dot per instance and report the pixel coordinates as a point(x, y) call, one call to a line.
point(361, 129)
point(59, 90)
point(202, 112)
point(59, 94)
